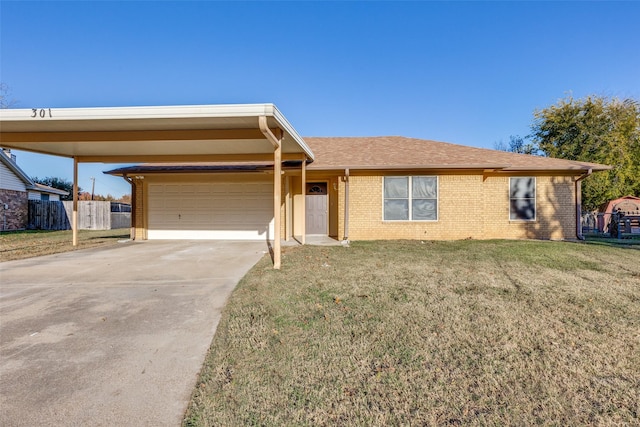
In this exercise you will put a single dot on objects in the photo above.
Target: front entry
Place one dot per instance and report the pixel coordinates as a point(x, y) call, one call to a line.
point(317, 208)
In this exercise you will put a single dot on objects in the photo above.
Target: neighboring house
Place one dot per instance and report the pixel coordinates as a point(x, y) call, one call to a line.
point(366, 188)
point(16, 188)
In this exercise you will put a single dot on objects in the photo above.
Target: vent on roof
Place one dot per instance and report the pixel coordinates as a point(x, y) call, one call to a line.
point(7, 152)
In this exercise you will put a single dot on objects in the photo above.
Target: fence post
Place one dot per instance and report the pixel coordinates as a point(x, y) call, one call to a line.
point(619, 225)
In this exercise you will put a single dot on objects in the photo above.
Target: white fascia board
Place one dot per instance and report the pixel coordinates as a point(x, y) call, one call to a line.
point(49, 190)
point(148, 112)
point(287, 127)
point(156, 112)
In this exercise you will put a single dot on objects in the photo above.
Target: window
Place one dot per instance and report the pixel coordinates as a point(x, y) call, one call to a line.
point(522, 198)
point(316, 188)
point(410, 198)
point(44, 197)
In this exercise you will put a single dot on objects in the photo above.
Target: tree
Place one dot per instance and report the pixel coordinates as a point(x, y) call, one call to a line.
point(5, 100)
point(126, 198)
point(595, 129)
point(518, 144)
point(59, 183)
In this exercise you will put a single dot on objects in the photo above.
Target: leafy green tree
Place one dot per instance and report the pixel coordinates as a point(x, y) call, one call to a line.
point(594, 129)
point(518, 144)
point(59, 183)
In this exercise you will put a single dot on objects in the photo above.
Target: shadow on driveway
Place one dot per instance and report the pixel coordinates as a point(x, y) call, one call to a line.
point(112, 336)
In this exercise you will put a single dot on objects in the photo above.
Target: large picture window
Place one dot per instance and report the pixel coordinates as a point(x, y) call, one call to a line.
point(410, 198)
point(522, 198)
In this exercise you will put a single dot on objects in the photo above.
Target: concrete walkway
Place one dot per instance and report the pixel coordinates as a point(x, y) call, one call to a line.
point(316, 240)
point(112, 336)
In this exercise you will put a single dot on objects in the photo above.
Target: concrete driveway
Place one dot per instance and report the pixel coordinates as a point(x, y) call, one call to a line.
point(112, 336)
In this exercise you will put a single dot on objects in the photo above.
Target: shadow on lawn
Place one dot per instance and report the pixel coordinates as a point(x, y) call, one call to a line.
point(113, 236)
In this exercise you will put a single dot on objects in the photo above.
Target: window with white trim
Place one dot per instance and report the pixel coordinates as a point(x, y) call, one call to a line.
point(410, 198)
point(522, 198)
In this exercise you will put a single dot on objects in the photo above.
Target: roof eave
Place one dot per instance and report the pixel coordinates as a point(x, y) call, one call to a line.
point(48, 190)
point(287, 127)
point(581, 168)
point(218, 169)
point(493, 167)
point(398, 167)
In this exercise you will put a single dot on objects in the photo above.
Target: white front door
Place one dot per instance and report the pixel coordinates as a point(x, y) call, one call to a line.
point(316, 204)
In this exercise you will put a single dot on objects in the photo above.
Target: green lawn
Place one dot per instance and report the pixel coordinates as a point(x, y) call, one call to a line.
point(429, 333)
point(627, 241)
point(26, 244)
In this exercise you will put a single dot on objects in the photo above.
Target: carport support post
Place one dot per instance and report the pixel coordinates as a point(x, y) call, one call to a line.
point(74, 217)
point(303, 218)
point(287, 208)
point(276, 140)
point(277, 199)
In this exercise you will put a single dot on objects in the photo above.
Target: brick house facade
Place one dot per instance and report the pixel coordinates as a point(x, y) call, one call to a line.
point(16, 189)
point(471, 205)
point(473, 197)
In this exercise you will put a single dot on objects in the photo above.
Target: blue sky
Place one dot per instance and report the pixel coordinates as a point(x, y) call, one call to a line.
point(471, 73)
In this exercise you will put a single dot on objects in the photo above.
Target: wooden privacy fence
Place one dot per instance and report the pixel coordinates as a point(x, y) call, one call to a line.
point(45, 215)
point(92, 215)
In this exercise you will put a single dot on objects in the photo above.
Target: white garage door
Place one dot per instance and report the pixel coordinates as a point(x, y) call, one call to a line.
point(220, 210)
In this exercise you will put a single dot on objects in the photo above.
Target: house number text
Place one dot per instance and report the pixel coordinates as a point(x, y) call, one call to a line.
point(41, 112)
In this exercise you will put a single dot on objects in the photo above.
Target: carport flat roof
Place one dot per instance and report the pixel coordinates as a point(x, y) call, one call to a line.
point(159, 133)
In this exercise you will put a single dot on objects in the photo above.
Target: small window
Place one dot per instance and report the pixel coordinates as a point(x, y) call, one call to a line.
point(522, 199)
point(44, 197)
point(316, 188)
point(410, 198)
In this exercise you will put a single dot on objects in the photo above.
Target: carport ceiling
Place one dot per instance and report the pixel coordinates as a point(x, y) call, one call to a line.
point(133, 134)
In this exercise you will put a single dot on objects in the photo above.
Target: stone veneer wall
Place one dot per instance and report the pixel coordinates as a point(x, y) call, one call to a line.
point(16, 215)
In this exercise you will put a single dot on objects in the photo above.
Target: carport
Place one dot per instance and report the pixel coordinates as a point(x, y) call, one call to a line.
point(230, 134)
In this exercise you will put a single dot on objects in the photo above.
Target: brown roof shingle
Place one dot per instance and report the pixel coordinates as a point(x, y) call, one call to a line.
point(396, 152)
point(387, 152)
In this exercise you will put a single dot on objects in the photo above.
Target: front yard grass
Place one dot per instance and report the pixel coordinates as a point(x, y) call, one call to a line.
point(25, 244)
point(626, 242)
point(429, 333)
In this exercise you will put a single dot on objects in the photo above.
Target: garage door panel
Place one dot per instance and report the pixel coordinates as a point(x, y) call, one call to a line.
point(202, 189)
point(171, 188)
point(187, 203)
point(221, 210)
point(205, 204)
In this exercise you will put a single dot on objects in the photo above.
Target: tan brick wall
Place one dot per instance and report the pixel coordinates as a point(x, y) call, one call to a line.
point(459, 211)
point(555, 210)
point(340, 206)
point(470, 206)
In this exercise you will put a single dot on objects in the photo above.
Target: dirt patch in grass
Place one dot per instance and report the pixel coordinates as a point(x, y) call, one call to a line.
point(27, 244)
point(431, 333)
